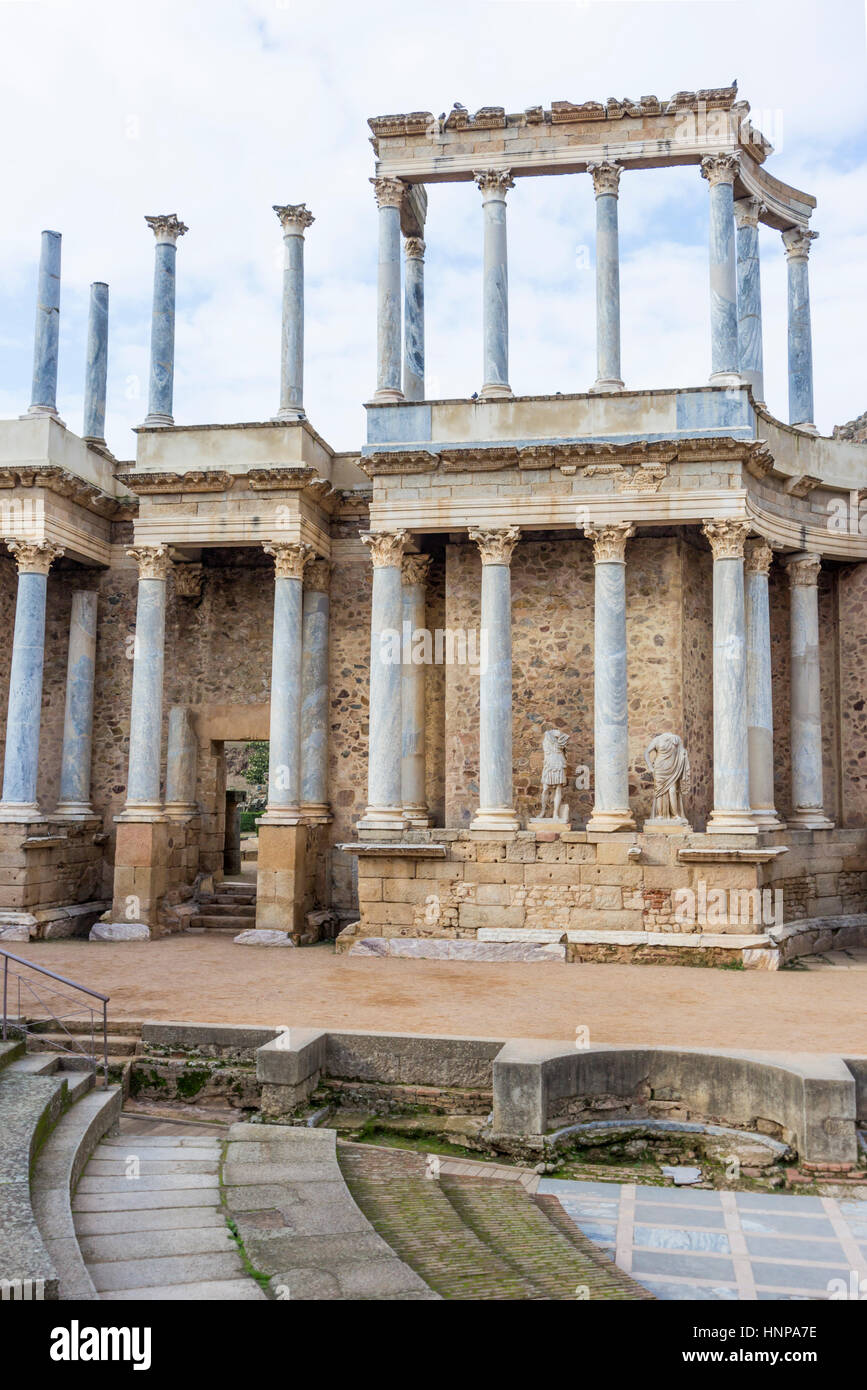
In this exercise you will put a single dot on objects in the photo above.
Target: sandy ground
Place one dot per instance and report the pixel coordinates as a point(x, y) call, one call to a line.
point(209, 979)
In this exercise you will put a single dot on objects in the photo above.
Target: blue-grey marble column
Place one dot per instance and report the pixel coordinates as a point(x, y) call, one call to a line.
point(78, 717)
point(43, 399)
point(606, 181)
point(389, 196)
point(314, 692)
point(797, 244)
point(806, 694)
point(96, 366)
point(610, 705)
point(414, 573)
point(413, 319)
point(294, 219)
point(750, 360)
point(146, 714)
point(182, 756)
point(494, 185)
point(384, 808)
point(166, 229)
point(496, 799)
point(720, 172)
point(284, 749)
point(21, 760)
point(731, 758)
point(760, 711)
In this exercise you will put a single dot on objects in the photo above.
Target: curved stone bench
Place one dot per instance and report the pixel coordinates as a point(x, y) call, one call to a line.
point(814, 935)
point(811, 1098)
point(29, 1107)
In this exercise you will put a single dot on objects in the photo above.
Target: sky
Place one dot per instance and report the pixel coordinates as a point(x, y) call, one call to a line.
point(216, 110)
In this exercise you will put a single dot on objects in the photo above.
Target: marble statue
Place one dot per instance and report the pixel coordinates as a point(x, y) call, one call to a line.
point(554, 773)
point(668, 760)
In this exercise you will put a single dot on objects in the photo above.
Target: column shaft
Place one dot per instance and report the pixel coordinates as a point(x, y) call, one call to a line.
point(610, 717)
point(146, 714)
point(806, 694)
point(413, 771)
point(760, 715)
point(384, 808)
point(731, 762)
point(720, 172)
point(96, 368)
point(294, 219)
point(314, 690)
point(494, 185)
point(44, 395)
point(181, 762)
point(389, 195)
point(24, 715)
point(797, 244)
point(166, 229)
point(750, 357)
point(606, 179)
point(284, 752)
point(78, 717)
point(413, 320)
point(496, 799)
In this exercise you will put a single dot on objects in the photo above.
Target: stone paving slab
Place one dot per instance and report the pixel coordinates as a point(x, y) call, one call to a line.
point(165, 1182)
point(125, 1200)
point(216, 1290)
point(107, 1223)
point(153, 1244)
point(168, 1269)
point(149, 1168)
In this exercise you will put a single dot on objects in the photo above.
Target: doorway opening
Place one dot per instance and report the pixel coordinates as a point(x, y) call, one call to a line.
point(246, 797)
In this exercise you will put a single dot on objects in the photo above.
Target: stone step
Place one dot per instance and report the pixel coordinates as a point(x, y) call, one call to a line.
point(236, 897)
point(118, 1046)
point(124, 1026)
point(111, 1276)
point(227, 907)
point(37, 1064)
point(213, 1290)
point(234, 923)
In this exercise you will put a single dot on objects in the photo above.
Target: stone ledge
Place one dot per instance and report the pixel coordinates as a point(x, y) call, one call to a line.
point(731, 856)
point(439, 948)
point(394, 849)
point(577, 937)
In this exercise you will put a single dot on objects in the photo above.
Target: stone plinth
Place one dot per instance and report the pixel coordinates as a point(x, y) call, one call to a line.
point(140, 872)
point(283, 894)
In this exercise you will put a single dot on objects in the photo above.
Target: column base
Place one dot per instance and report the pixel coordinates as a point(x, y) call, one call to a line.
point(806, 426)
point(316, 813)
point(290, 413)
point(92, 439)
point(49, 410)
point(387, 395)
point(417, 817)
point(181, 810)
point(281, 815)
point(141, 811)
point(726, 379)
point(766, 818)
point(75, 810)
point(611, 820)
point(736, 822)
point(607, 383)
point(495, 818)
point(158, 417)
point(809, 818)
point(382, 818)
point(495, 391)
point(27, 812)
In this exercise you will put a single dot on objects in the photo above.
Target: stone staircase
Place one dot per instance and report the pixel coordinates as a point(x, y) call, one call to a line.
point(231, 910)
point(123, 1037)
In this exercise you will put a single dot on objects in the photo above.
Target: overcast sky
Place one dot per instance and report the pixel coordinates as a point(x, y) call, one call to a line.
point(111, 109)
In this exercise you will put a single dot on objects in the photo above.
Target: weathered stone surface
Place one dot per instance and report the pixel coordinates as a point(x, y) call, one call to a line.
point(120, 931)
point(256, 937)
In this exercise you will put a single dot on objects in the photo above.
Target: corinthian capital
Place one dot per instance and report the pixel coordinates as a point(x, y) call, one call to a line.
point(290, 557)
point(166, 228)
point(153, 561)
point(494, 183)
point(605, 176)
point(797, 241)
point(317, 575)
point(389, 193)
point(609, 542)
point(748, 211)
point(294, 218)
point(719, 168)
point(414, 569)
point(804, 569)
point(495, 547)
point(34, 557)
point(414, 248)
point(758, 556)
point(386, 547)
point(727, 538)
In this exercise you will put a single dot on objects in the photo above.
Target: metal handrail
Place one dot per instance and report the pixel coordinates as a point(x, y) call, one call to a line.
point(61, 979)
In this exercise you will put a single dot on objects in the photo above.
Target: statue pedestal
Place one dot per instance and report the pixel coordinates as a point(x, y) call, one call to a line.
point(553, 828)
point(667, 825)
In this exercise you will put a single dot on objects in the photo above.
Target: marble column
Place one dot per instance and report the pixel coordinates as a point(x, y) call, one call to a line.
point(496, 800)
point(760, 713)
point(413, 319)
point(43, 400)
point(720, 171)
point(314, 691)
point(182, 755)
point(78, 717)
point(494, 185)
point(24, 716)
point(389, 195)
point(384, 803)
point(808, 809)
point(294, 219)
point(606, 181)
point(284, 750)
point(750, 360)
point(610, 719)
point(166, 230)
point(146, 717)
point(414, 572)
point(96, 367)
point(731, 761)
point(797, 244)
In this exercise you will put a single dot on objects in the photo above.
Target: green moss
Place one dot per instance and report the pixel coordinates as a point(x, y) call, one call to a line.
point(190, 1082)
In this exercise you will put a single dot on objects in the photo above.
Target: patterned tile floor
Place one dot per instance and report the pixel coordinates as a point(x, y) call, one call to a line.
point(685, 1243)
